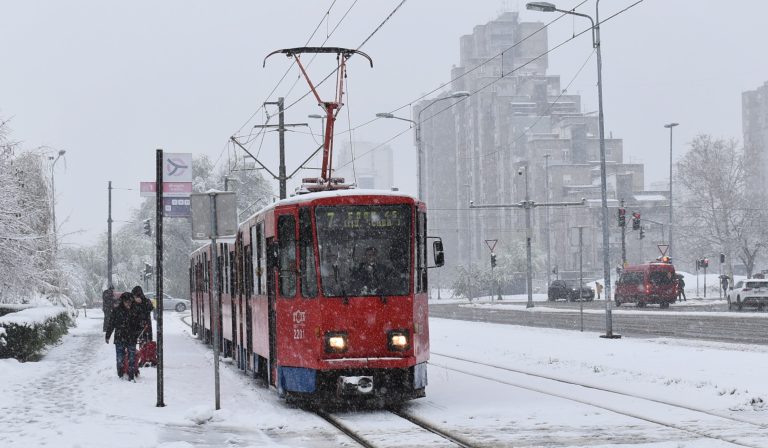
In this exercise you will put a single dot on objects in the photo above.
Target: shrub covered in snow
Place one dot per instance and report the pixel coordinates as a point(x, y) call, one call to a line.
point(27, 332)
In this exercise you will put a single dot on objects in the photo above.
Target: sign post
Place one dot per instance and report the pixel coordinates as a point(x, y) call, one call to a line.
point(214, 215)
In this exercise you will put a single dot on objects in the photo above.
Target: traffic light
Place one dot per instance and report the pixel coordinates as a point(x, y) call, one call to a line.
point(493, 260)
point(722, 258)
point(622, 218)
point(642, 233)
point(705, 263)
point(147, 227)
point(147, 270)
point(636, 221)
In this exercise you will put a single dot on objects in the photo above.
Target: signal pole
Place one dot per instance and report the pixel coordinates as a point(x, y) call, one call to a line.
point(623, 240)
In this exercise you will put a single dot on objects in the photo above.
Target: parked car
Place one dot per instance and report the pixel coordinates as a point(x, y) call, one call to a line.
point(170, 303)
point(647, 283)
point(750, 292)
point(569, 291)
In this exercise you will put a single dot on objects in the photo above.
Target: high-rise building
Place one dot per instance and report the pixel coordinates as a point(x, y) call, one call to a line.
point(754, 122)
point(518, 116)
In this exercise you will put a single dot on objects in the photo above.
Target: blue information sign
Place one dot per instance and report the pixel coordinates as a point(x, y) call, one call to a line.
point(177, 207)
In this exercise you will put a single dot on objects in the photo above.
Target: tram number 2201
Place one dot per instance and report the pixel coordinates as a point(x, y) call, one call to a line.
point(298, 333)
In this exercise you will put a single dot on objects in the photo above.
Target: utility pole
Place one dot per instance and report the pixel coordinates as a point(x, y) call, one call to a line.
point(281, 125)
point(109, 236)
point(623, 241)
point(527, 205)
point(581, 274)
point(546, 214)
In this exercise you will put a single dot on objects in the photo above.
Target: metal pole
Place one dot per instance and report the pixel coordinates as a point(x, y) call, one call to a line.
point(623, 240)
point(529, 273)
point(670, 126)
point(581, 277)
point(281, 132)
point(109, 235)
point(546, 215)
point(215, 296)
point(159, 272)
point(705, 281)
point(469, 242)
point(603, 181)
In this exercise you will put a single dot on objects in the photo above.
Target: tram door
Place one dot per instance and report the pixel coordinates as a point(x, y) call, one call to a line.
point(272, 273)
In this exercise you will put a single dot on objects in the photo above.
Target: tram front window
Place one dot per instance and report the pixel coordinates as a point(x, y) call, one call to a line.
point(364, 249)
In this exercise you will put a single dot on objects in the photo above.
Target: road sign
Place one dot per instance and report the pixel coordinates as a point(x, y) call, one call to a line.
point(491, 244)
point(226, 215)
point(177, 207)
point(170, 189)
point(663, 248)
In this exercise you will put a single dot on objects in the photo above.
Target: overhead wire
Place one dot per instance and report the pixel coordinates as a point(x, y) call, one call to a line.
point(448, 107)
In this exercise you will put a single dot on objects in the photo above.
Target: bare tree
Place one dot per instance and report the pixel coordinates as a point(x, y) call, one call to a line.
point(718, 216)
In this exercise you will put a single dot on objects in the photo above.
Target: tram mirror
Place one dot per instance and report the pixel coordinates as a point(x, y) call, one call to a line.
point(437, 248)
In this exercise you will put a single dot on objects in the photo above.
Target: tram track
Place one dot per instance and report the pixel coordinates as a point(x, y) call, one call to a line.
point(571, 390)
point(416, 431)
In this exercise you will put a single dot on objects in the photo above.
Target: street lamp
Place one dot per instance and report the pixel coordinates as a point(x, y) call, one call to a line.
point(419, 146)
point(549, 7)
point(322, 123)
point(53, 196)
point(669, 239)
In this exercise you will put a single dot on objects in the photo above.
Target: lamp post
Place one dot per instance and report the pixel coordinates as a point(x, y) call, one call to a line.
point(322, 123)
point(549, 7)
point(419, 146)
point(53, 198)
point(669, 239)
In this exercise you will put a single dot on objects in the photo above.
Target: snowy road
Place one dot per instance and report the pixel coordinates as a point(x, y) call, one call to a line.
point(72, 397)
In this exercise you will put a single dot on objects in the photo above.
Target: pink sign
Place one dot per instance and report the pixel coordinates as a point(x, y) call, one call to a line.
point(170, 189)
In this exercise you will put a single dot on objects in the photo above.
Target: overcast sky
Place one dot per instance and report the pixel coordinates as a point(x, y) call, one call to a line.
point(109, 82)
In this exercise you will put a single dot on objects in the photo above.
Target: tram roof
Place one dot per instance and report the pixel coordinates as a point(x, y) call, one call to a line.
point(300, 198)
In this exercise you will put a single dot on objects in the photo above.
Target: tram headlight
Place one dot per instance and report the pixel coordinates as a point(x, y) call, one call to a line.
point(399, 340)
point(336, 342)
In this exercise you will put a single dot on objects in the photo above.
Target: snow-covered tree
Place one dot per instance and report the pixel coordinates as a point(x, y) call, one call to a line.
point(716, 214)
point(28, 263)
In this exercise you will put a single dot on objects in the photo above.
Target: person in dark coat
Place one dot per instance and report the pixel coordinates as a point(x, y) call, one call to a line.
point(680, 288)
point(126, 322)
point(107, 303)
point(724, 284)
point(145, 307)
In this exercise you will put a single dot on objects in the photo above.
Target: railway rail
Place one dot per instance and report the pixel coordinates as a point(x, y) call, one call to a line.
point(716, 427)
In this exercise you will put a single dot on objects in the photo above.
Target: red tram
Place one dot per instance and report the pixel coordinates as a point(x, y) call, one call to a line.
point(325, 295)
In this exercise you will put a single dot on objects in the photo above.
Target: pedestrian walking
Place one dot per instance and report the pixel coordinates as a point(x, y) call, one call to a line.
point(107, 303)
point(724, 284)
point(681, 288)
point(144, 307)
point(598, 289)
point(126, 322)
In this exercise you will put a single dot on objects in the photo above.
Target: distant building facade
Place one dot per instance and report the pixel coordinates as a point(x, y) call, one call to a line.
point(754, 122)
point(519, 116)
point(367, 164)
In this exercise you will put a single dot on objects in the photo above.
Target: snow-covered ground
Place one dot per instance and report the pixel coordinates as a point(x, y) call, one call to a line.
point(73, 397)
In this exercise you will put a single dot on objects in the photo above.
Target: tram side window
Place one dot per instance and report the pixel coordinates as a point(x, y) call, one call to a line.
point(286, 230)
point(307, 260)
point(248, 270)
point(206, 274)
